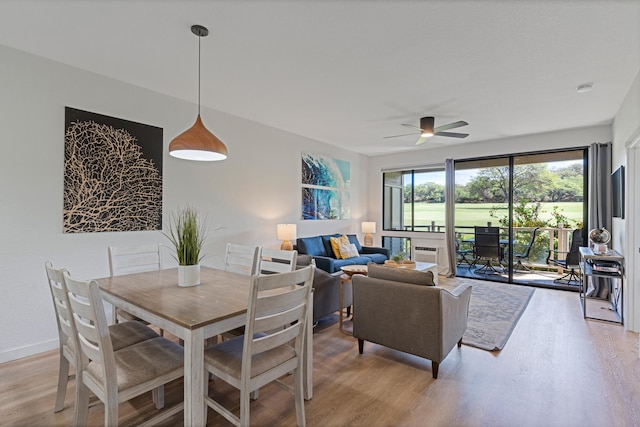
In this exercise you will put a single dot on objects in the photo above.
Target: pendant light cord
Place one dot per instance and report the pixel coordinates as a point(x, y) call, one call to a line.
point(199, 41)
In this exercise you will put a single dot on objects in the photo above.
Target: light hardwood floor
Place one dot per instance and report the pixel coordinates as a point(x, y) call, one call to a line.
point(556, 370)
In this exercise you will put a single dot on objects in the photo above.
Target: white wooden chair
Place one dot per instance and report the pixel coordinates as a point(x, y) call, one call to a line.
point(133, 259)
point(116, 376)
point(242, 259)
point(122, 335)
point(277, 261)
point(272, 345)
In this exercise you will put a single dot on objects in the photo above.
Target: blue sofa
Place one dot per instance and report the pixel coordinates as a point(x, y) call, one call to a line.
point(319, 248)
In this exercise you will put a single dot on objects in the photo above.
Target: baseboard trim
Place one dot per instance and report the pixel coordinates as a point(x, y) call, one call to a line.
point(29, 350)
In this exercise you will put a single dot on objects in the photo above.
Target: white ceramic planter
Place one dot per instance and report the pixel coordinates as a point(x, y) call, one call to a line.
point(188, 275)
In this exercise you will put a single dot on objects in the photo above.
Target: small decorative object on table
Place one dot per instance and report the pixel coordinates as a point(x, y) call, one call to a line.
point(399, 261)
point(599, 238)
point(187, 233)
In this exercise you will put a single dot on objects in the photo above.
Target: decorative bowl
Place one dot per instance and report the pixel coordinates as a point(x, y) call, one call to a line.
point(354, 269)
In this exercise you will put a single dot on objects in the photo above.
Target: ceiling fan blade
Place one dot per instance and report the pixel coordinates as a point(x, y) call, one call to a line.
point(422, 139)
point(412, 127)
point(452, 134)
point(450, 126)
point(396, 136)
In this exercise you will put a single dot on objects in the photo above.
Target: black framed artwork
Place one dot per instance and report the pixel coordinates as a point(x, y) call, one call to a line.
point(112, 174)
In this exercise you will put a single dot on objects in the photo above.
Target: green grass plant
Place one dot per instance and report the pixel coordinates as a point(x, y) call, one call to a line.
point(187, 233)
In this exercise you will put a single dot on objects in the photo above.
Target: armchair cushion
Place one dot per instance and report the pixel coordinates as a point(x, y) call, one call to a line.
point(404, 275)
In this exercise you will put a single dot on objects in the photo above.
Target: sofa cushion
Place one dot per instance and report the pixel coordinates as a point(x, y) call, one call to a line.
point(358, 260)
point(377, 258)
point(326, 240)
point(354, 239)
point(313, 246)
point(424, 278)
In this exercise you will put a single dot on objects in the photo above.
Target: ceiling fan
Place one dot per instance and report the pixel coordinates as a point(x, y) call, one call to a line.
point(426, 130)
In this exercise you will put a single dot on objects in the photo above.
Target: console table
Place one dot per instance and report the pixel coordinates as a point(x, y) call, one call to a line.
point(610, 309)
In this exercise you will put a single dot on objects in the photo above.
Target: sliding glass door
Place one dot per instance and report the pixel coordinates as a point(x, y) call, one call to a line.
point(535, 201)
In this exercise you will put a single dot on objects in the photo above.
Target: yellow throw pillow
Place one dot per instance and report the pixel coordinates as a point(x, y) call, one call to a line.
point(335, 245)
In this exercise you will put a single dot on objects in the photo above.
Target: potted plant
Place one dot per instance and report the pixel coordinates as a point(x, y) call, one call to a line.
point(187, 233)
point(400, 260)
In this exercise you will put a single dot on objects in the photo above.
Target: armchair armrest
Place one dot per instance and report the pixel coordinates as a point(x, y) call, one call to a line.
point(376, 250)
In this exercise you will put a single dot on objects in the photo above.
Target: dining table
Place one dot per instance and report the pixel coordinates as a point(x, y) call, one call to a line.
point(218, 304)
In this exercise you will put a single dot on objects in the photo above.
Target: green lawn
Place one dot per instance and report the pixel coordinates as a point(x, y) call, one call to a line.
point(470, 214)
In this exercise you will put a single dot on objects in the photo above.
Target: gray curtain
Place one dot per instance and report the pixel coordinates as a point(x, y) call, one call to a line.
point(599, 186)
point(449, 209)
point(599, 204)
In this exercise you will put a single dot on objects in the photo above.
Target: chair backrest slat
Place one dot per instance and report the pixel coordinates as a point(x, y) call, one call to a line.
point(277, 261)
point(91, 323)
point(60, 303)
point(134, 259)
point(242, 259)
point(278, 307)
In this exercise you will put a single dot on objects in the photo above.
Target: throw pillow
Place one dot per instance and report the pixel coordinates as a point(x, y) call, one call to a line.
point(349, 251)
point(377, 271)
point(335, 245)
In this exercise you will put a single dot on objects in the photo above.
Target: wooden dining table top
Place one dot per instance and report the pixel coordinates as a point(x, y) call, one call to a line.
point(220, 295)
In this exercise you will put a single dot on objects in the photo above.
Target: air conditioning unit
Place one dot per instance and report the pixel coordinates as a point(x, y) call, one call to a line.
point(425, 254)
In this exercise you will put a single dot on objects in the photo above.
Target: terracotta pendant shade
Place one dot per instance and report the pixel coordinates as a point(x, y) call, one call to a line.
point(198, 143)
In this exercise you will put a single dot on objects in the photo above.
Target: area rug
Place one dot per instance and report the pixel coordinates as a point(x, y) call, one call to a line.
point(494, 311)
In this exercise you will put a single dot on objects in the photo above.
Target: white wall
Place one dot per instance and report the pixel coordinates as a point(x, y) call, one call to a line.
point(248, 194)
point(626, 131)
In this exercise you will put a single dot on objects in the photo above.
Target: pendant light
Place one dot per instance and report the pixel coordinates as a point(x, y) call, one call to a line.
point(197, 142)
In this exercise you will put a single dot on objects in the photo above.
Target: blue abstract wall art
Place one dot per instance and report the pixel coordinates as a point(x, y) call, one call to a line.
point(325, 187)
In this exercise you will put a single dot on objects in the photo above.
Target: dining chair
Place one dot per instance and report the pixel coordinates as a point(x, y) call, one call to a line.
point(272, 346)
point(133, 259)
point(277, 261)
point(122, 334)
point(116, 376)
point(242, 259)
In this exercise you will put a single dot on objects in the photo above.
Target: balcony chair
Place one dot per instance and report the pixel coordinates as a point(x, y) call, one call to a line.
point(122, 334)
point(116, 376)
point(571, 261)
point(487, 248)
point(524, 252)
point(463, 253)
point(272, 346)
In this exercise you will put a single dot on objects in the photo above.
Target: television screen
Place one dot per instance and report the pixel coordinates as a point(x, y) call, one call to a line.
point(617, 192)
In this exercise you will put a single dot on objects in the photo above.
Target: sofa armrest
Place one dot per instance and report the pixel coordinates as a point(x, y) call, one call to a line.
point(455, 312)
point(325, 263)
point(376, 250)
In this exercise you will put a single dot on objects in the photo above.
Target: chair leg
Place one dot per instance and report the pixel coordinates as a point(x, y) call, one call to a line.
point(298, 395)
point(157, 395)
point(434, 369)
point(63, 380)
point(460, 343)
point(245, 406)
point(81, 412)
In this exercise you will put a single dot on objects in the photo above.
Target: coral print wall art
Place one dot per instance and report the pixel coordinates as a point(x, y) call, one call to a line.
point(325, 187)
point(112, 174)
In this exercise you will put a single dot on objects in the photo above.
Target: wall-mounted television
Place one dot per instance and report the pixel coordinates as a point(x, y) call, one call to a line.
point(617, 192)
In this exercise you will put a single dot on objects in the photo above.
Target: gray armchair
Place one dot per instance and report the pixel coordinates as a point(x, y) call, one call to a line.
point(425, 321)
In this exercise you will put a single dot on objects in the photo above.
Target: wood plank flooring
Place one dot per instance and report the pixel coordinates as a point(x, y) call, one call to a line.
point(556, 370)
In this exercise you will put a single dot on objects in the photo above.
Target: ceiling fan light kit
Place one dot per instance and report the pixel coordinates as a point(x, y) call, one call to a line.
point(197, 142)
point(427, 130)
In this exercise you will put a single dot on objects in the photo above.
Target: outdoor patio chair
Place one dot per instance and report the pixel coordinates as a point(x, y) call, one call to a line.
point(463, 251)
point(487, 248)
point(524, 252)
point(571, 261)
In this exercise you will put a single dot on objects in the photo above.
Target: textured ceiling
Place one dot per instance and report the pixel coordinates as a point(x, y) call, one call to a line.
point(351, 72)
